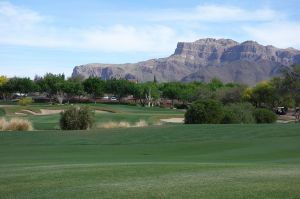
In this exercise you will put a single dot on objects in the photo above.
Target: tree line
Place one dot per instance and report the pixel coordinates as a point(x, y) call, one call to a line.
point(279, 91)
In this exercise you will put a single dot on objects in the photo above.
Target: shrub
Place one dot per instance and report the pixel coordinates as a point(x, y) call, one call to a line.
point(238, 113)
point(15, 124)
point(229, 117)
point(2, 112)
point(264, 116)
point(25, 101)
point(76, 118)
point(204, 112)
point(122, 124)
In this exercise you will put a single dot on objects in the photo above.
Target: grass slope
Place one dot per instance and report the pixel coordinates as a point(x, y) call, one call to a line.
point(171, 161)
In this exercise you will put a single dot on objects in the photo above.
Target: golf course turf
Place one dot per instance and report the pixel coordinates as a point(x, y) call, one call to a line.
point(169, 161)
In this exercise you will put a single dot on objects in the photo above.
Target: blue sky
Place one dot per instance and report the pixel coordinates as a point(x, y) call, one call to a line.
point(54, 35)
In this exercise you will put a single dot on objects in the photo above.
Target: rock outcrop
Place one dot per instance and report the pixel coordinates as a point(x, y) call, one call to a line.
point(202, 60)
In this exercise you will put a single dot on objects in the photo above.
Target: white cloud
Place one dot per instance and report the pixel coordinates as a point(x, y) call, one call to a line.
point(20, 26)
point(279, 33)
point(18, 16)
point(216, 13)
point(118, 38)
point(155, 38)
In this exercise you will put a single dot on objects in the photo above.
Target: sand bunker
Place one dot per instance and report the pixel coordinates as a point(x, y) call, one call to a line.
point(21, 114)
point(101, 111)
point(43, 112)
point(50, 112)
point(173, 120)
point(30, 112)
point(286, 119)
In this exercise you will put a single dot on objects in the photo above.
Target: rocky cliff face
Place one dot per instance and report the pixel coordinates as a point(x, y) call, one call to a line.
point(202, 60)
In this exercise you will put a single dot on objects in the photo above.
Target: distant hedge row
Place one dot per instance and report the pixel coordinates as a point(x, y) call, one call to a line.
point(214, 112)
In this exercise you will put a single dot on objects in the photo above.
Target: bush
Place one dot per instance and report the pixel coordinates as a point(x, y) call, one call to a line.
point(264, 116)
point(2, 112)
point(204, 112)
point(76, 118)
point(229, 117)
point(122, 124)
point(15, 124)
point(25, 101)
point(240, 113)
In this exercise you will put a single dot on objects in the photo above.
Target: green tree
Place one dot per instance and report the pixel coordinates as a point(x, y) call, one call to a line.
point(120, 88)
point(229, 95)
point(204, 92)
point(262, 95)
point(291, 82)
point(215, 84)
point(53, 85)
point(171, 91)
point(187, 92)
point(138, 93)
point(73, 87)
point(19, 85)
point(3, 81)
point(154, 79)
point(146, 93)
point(282, 96)
point(94, 86)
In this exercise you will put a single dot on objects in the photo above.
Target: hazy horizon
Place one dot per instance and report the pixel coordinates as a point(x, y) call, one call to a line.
point(53, 36)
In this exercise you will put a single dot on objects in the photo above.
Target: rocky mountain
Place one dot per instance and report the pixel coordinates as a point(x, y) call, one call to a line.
point(202, 60)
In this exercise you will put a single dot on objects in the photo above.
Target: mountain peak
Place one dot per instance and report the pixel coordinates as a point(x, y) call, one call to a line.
point(248, 62)
point(215, 41)
point(207, 44)
point(250, 42)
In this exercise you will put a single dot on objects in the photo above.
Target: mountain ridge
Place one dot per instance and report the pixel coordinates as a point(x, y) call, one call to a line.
point(248, 62)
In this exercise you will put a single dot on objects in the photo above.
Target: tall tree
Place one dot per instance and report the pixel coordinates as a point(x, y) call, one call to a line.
point(22, 86)
point(263, 95)
point(94, 86)
point(146, 93)
point(73, 87)
point(230, 94)
point(291, 82)
point(187, 92)
point(52, 85)
point(3, 81)
point(171, 91)
point(215, 84)
point(120, 88)
point(282, 97)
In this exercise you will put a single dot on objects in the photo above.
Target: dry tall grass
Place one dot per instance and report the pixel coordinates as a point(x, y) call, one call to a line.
point(2, 123)
point(141, 123)
point(15, 124)
point(122, 124)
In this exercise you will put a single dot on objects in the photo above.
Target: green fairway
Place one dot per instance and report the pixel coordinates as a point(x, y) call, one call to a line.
point(169, 161)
